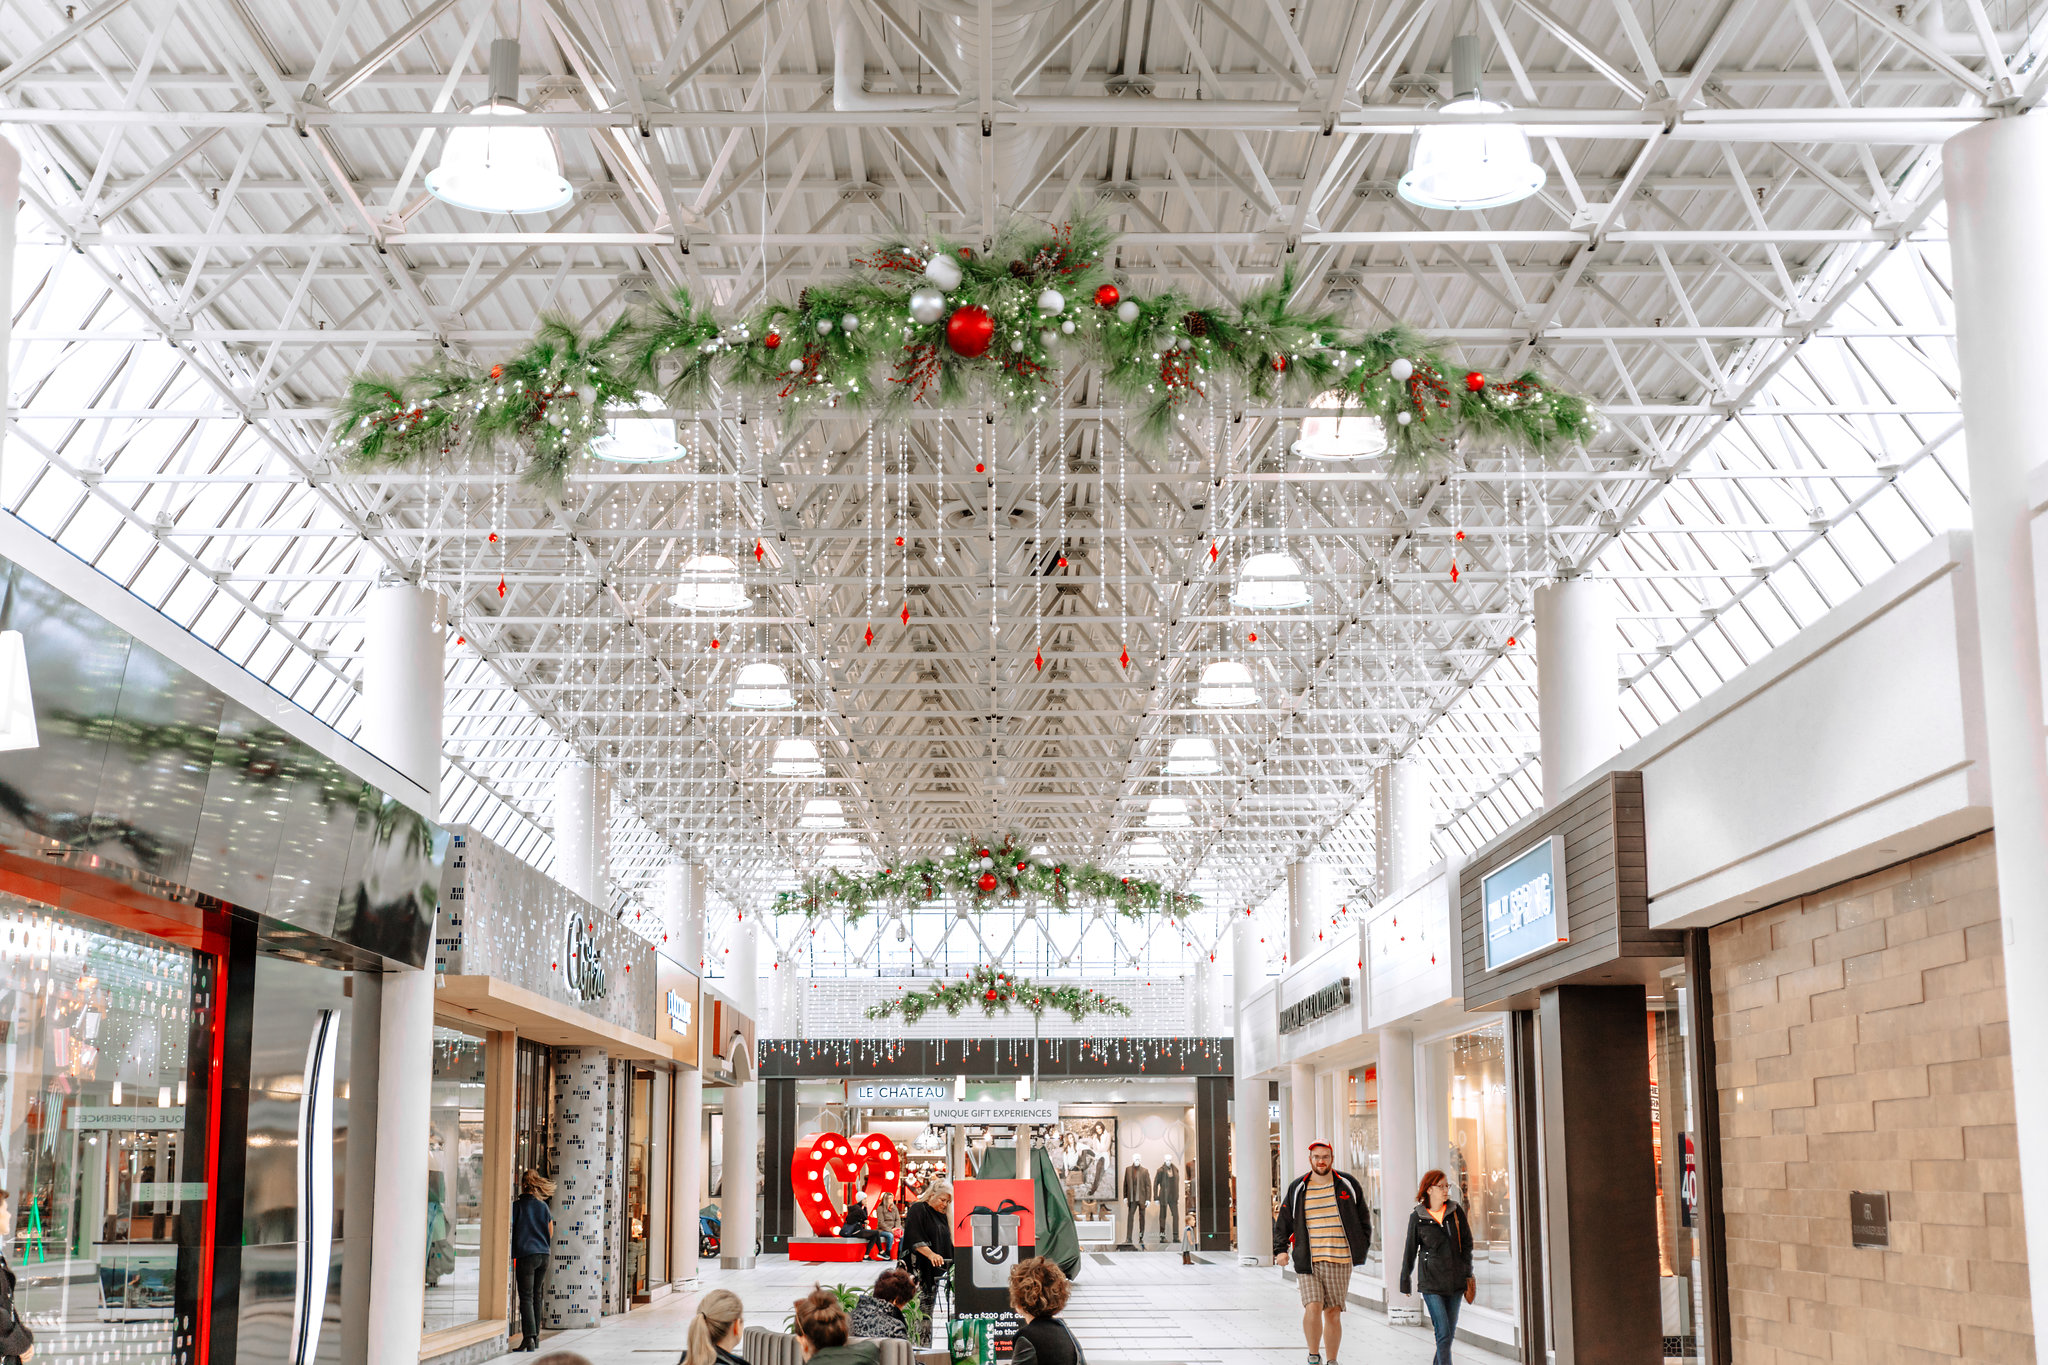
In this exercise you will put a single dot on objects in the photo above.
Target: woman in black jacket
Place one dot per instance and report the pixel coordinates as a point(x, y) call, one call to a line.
point(1441, 1239)
point(928, 1248)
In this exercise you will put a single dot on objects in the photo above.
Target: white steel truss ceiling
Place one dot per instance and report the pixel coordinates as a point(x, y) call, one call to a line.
point(1739, 253)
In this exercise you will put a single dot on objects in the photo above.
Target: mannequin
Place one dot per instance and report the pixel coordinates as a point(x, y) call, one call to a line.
point(1137, 1194)
point(1166, 1188)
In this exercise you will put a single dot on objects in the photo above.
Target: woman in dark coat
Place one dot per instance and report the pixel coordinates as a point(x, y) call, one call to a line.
point(1441, 1239)
point(1038, 1291)
point(928, 1248)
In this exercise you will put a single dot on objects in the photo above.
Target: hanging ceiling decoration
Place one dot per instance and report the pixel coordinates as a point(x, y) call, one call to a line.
point(981, 877)
point(994, 990)
point(939, 325)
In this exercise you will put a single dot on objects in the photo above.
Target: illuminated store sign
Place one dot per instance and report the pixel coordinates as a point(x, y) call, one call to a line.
point(678, 1013)
point(1307, 1010)
point(1524, 901)
point(582, 959)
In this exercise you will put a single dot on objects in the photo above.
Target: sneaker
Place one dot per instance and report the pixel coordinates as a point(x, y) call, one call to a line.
point(1314, 1359)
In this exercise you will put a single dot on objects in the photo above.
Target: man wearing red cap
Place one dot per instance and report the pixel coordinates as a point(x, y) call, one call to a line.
point(1325, 1219)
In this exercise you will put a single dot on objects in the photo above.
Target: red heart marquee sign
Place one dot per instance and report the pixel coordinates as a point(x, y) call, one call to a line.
point(824, 1160)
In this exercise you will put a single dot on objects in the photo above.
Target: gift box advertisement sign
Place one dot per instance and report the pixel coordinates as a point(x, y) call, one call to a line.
point(983, 1338)
point(993, 1229)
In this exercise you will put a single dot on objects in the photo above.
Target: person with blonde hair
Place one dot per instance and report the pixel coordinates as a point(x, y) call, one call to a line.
point(533, 1241)
point(928, 1248)
point(823, 1330)
point(716, 1330)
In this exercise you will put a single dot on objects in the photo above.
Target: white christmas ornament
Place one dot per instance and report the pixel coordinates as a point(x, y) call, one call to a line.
point(943, 271)
point(1067, 327)
point(1404, 418)
point(824, 327)
point(1127, 311)
point(1052, 301)
point(927, 305)
point(1400, 370)
point(850, 323)
point(1045, 338)
point(796, 366)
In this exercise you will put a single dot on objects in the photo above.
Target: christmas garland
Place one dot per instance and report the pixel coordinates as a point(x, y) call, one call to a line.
point(937, 324)
point(994, 990)
point(985, 876)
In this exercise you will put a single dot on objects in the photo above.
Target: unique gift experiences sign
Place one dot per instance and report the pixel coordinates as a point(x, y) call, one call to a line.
point(1524, 903)
point(995, 1111)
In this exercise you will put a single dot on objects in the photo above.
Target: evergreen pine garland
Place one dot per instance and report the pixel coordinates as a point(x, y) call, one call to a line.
point(552, 399)
point(1014, 873)
point(994, 990)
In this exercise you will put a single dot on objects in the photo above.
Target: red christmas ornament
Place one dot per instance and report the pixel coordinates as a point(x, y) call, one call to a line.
point(1279, 362)
point(772, 340)
point(501, 587)
point(982, 854)
point(461, 639)
point(497, 371)
point(899, 540)
point(870, 636)
point(970, 330)
point(1254, 637)
point(1125, 658)
point(1511, 642)
point(990, 995)
point(494, 537)
point(981, 469)
point(1020, 867)
point(1107, 297)
point(1040, 661)
point(759, 550)
point(966, 253)
point(714, 642)
point(1475, 381)
point(987, 881)
point(905, 613)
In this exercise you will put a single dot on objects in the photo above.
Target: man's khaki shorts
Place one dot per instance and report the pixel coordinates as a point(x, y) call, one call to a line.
point(1325, 1284)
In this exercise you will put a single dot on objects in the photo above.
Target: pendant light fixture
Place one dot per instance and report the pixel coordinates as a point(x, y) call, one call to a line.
point(1192, 756)
point(763, 687)
point(822, 812)
point(795, 758)
point(643, 436)
point(1336, 431)
point(17, 707)
point(1270, 581)
point(1168, 812)
point(1226, 683)
point(710, 583)
point(492, 168)
point(1475, 165)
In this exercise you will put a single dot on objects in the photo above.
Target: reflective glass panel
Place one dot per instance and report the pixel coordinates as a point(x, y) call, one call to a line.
point(455, 1180)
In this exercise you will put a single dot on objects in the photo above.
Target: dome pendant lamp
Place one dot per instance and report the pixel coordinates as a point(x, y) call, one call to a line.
point(500, 169)
point(1479, 165)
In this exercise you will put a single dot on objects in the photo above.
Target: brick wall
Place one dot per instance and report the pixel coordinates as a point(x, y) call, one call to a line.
point(1862, 1046)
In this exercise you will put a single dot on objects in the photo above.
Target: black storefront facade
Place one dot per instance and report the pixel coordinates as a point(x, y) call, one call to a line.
point(193, 876)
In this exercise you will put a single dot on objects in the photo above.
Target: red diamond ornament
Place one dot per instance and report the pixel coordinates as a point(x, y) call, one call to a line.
point(1124, 658)
point(905, 613)
point(870, 635)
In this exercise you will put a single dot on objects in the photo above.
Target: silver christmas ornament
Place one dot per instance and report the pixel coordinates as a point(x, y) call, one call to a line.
point(943, 271)
point(850, 323)
point(1400, 370)
point(824, 327)
point(1127, 311)
point(796, 366)
point(1067, 327)
point(927, 304)
point(1052, 301)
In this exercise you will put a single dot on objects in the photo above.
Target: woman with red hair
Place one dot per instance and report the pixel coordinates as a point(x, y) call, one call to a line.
point(1441, 1239)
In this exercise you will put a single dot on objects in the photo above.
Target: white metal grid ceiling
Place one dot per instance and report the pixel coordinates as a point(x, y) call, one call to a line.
point(1739, 254)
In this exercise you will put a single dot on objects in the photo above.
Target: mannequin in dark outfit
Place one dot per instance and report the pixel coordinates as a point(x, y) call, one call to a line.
point(1137, 1194)
point(1166, 1188)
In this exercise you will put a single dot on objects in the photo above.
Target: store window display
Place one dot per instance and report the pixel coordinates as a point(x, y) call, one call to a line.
point(1470, 1141)
point(1675, 1141)
point(455, 1172)
point(1362, 1159)
point(103, 1159)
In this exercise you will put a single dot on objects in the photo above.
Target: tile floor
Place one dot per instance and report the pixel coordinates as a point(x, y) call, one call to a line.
point(1127, 1309)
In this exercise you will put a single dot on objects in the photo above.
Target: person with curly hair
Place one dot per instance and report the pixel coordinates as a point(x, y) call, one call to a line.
point(1038, 1291)
point(879, 1312)
point(822, 1330)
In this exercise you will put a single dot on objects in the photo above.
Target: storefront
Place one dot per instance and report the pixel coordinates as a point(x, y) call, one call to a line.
point(557, 1036)
point(1127, 1138)
point(194, 877)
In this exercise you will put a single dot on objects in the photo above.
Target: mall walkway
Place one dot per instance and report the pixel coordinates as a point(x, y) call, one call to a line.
point(1127, 1310)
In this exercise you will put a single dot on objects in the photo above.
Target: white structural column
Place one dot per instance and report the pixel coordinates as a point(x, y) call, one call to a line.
point(403, 672)
point(742, 1110)
point(1996, 177)
point(583, 831)
point(683, 922)
point(1578, 709)
point(1398, 1173)
point(1305, 1123)
point(1403, 822)
point(10, 199)
point(1254, 1174)
point(1302, 918)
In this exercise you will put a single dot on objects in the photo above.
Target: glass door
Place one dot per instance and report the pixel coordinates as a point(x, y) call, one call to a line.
point(639, 1120)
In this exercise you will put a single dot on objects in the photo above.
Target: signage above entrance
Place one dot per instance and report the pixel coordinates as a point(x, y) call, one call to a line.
point(901, 1092)
point(582, 959)
point(995, 1111)
point(1523, 901)
point(1308, 1009)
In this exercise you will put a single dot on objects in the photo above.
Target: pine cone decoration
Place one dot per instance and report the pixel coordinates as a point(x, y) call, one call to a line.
point(1019, 270)
point(1197, 324)
point(803, 300)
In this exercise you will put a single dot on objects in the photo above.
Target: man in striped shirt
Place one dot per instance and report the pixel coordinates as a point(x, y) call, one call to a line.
point(1325, 1221)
